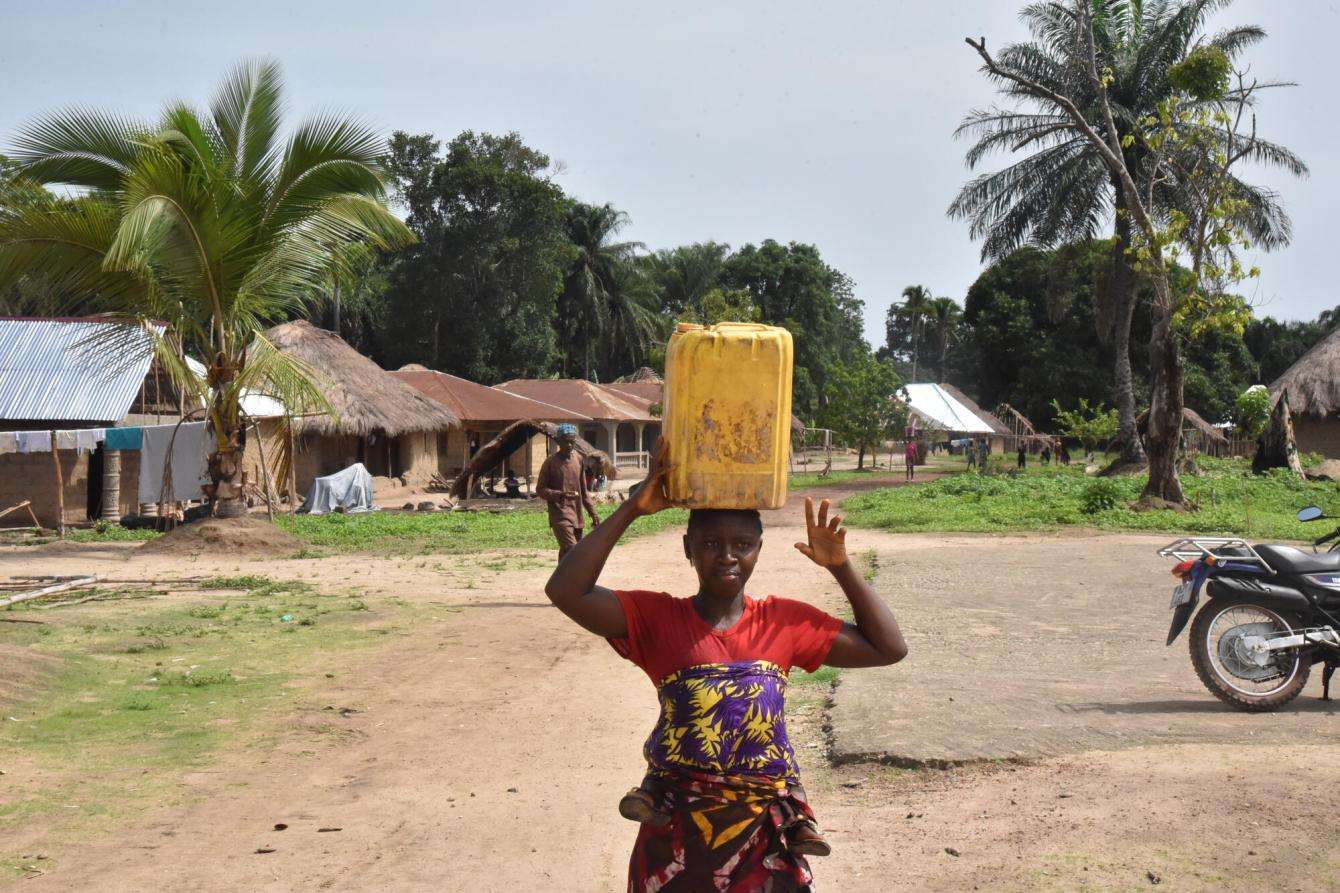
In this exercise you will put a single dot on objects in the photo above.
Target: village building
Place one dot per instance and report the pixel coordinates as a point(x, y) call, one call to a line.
point(61, 375)
point(378, 420)
point(484, 413)
point(622, 422)
point(947, 414)
point(1312, 388)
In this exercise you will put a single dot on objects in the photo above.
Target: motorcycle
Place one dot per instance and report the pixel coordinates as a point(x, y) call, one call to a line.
point(1271, 613)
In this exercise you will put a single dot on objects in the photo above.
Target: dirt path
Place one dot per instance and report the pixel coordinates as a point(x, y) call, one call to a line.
point(489, 749)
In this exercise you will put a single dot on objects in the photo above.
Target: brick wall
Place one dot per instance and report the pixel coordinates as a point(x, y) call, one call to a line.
point(32, 476)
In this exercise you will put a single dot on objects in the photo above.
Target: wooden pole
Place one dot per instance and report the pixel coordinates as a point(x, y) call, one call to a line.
point(60, 486)
point(292, 467)
point(111, 485)
point(48, 590)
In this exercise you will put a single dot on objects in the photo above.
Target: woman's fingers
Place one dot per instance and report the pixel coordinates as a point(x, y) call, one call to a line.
point(835, 523)
point(805, 550)
point(809, 513)
point(823, 513)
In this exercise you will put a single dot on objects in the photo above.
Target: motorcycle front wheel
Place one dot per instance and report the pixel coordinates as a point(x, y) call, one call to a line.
point(1230, 671)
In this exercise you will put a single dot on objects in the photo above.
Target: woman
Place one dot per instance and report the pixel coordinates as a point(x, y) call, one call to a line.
point(722, 769)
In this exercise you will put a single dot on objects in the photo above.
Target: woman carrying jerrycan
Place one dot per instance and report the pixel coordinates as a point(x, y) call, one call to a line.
point(721, 807)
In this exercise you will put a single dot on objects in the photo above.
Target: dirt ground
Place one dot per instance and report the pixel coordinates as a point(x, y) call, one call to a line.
point(489, 747)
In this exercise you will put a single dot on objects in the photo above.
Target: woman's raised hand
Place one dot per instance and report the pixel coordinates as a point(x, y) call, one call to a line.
point(827, 546)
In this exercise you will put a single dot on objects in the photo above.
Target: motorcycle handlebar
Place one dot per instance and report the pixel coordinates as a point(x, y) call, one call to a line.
point(1327, 538)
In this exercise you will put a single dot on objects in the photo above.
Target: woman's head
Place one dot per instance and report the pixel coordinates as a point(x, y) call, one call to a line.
point(723, 545)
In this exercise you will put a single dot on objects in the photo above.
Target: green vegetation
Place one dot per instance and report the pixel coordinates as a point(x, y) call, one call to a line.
point(451, 533)
point(1228, 500)
point(396, 533)
point(141, 692)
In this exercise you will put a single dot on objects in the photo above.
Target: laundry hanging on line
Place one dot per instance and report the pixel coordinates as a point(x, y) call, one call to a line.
point(125, 438)
point(187, 445)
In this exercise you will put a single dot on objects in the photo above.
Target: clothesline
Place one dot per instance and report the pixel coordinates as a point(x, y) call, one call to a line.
point(79, 439)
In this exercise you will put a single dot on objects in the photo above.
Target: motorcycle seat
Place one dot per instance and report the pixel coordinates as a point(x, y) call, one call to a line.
point(1289, 560)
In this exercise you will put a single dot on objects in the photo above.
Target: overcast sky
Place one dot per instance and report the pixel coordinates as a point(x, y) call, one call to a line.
point(825, 123)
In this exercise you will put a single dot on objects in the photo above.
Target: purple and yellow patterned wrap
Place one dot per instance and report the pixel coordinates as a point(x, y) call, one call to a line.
point(725, 719)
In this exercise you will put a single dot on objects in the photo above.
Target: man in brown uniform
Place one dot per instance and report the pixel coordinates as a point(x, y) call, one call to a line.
point(562, 484)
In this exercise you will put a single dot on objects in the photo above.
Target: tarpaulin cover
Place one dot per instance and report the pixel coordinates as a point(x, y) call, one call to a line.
point(350, 489)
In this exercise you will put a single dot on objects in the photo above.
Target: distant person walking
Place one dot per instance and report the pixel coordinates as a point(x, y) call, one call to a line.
point(910, 459)
point(1023, 457)
point(562, 484)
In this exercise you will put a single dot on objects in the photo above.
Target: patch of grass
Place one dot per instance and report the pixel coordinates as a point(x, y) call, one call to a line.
point(1229, 499)
point(112, 533)
point(807, 479)
point(153, 689)
point(246, 581)
point(821, 676)
point(452, 533)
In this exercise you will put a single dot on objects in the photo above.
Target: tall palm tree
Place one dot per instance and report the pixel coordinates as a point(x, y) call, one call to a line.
point(208, 220)
point(605, 310)
point(916, 304)
point(1063, 191)
point(942, 318)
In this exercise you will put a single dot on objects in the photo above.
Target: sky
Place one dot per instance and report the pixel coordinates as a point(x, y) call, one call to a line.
point(797, 121)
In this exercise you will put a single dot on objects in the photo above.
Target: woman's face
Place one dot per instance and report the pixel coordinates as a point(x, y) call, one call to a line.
point(723, 551)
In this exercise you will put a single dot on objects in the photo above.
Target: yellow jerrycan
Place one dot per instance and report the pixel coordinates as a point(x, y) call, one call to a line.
point(727, 415)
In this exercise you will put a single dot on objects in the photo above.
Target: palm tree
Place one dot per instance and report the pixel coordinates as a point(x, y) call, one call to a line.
point(1064, 191)
point(943, 317)
point(207, 220)
point(916, 304)
point(606, 309)
point(687, 273)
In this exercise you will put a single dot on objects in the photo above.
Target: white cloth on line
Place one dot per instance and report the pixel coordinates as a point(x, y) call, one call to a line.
point(89, 438)
point(350, 489)
point(189, 470)
point(34, 441)
point(9, 442)
point(65, 440)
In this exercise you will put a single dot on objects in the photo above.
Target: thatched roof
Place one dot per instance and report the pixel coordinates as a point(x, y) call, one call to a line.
point(1191, 418)
point(367, 399)
point(1313, 383)
point(644, 373)
point(511, 439)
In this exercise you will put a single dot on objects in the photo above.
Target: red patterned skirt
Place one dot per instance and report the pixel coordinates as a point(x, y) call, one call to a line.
point(726, 834)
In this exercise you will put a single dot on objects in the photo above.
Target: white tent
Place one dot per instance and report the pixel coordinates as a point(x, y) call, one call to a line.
point(944, 411)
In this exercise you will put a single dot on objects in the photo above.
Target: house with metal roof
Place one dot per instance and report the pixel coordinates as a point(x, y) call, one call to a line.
point(945, 409)
point(622, 422)
point(485, 412)
point(62, 374)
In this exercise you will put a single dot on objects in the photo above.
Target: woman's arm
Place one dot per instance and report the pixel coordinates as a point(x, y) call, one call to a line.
point(572, 587)
point(874, 639)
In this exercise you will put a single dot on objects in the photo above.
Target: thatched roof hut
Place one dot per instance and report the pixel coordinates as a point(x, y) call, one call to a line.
point(1312, 389)
point(367, 399)
point(1312, 384)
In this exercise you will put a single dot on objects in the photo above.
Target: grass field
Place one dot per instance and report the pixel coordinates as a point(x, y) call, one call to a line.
point(1228, 500)
point(402, 533)
point(145, 690)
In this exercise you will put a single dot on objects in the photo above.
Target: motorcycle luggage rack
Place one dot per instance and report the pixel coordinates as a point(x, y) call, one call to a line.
point(1216, 547)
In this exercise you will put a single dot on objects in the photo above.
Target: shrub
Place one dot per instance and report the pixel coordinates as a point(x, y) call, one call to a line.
point(1101, 495)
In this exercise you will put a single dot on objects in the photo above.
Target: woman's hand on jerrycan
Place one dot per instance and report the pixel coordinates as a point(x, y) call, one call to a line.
point(650, 497)
point(828, 539)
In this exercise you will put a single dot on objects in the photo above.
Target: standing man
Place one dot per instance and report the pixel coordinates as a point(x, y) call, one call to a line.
point(562, 484)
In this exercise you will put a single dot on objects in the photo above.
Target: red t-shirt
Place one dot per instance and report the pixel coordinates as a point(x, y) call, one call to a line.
point(666, 634)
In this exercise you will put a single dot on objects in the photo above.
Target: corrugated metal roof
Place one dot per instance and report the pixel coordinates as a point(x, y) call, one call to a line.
point(49, 370)
point(585, 397)
point(939, 406)
point(475, 402)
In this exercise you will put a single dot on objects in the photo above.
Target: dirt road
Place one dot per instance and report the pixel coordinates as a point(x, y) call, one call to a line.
point(488, 750)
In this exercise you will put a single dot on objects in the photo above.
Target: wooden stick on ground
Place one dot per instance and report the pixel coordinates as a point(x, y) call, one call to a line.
point(78, 583)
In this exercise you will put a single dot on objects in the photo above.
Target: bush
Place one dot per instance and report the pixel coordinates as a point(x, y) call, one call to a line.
point(1101, 495)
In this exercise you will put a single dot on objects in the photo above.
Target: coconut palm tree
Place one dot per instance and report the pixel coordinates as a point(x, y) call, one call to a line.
point(208, 220)
point(1063, 191)
point(916, 304)
point(942, 319)
point(607, 311)
point(687, 273)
